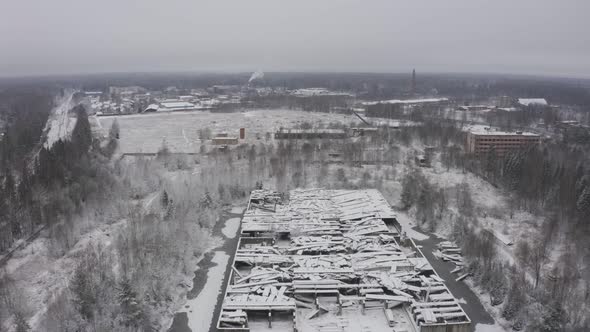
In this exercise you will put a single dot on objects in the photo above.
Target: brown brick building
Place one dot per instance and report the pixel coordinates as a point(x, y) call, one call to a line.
point(480, 141)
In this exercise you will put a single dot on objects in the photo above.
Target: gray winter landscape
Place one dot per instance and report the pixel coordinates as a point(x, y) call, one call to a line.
point(303, 166)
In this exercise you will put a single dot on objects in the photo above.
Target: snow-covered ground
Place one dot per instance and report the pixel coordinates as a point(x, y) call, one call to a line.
point(40, 277)
point(60, 124)
point(489, 328)
point(180, 130)
point(231, 228)
point(501, 324)
point(407, 226)
point(237, 210)
point(200, 309)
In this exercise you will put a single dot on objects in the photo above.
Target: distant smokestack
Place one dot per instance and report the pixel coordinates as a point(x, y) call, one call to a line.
point(413, 90)
point(256, 76)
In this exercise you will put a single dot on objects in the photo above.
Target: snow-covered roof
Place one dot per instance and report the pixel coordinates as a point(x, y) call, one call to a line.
point(406, 101)
point(492, 132)
point(507, 109)
point(532, 101)
point(308, 92)
point(312, 131)
point(177, 104)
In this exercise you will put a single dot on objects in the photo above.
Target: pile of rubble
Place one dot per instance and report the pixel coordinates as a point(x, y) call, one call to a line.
point(449, 252)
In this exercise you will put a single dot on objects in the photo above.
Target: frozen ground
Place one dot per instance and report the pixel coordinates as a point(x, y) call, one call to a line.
point(39, 276)
point(407, 224)
point(500, 325)
point(146, 132)
point(200, 309)
point(237, 210)
point(231, 228)
point(488, 328)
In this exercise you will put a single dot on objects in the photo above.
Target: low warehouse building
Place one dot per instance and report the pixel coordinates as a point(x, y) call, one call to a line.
point(310, 134)
point(224, 140)
point(171, 106)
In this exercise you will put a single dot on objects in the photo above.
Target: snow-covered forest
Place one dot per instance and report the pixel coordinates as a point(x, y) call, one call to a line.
point(93, 239)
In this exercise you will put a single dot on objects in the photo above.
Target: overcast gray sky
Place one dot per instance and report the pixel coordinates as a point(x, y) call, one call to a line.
point(507, 36)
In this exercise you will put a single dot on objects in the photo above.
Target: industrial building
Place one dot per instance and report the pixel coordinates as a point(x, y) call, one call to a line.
point(310, 134)
point(224, 140)
point(332, 260)
point(482, 140)
point(532, 102)
point(171, 106)
point(396, 107)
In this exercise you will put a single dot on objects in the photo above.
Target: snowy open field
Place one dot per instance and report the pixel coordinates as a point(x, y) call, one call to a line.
point(145, 132)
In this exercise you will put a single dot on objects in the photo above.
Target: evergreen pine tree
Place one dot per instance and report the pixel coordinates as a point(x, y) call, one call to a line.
point(206, 201)
point(130, 307)
point(165, 199)
point(114, 131)
point(21, 323)
point(82, 134)
point(408, 195)
point(583, 202)
point(83, 296)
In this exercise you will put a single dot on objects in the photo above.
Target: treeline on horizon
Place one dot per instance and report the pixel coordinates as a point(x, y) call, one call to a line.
point(365, 85)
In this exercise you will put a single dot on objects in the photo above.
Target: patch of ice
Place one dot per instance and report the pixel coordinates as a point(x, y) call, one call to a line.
point(407, 225)
point(237, 210)
point(489, 328)
point(200, 309)
point(231, 228)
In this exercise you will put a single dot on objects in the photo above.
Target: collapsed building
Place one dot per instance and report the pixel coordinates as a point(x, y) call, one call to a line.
point(332, 260)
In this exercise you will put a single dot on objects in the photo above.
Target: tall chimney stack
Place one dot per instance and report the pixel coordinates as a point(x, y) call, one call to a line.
point(413, 90)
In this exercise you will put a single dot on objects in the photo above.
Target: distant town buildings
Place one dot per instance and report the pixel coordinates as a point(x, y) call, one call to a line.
point(126, 90)
point(407, 101)
point(483, 140)
point(310, 92)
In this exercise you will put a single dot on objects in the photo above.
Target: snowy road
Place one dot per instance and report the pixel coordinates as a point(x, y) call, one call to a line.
point(60, 124)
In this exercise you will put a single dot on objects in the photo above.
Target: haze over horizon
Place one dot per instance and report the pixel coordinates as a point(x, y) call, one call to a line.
point(71, 37)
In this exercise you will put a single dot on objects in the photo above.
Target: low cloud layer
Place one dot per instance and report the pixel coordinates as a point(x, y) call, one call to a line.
point(65, 36)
